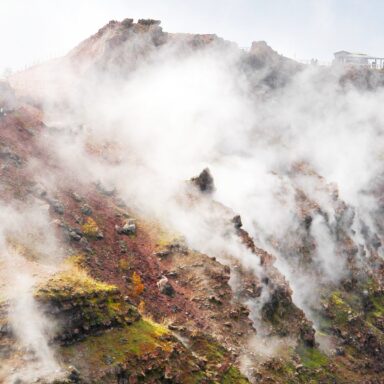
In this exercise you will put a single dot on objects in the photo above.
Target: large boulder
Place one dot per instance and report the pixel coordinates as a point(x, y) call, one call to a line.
point(204, 182)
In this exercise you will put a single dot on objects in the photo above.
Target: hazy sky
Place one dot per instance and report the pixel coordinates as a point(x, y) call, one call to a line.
point(34, 30)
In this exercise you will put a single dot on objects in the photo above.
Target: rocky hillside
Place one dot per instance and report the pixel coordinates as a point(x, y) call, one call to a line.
point(139, 270)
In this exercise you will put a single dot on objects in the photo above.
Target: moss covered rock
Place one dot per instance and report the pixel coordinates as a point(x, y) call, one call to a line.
point(146, 352)
point(82, 305)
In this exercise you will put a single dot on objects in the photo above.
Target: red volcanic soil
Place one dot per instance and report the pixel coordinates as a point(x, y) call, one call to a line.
point(202, 297)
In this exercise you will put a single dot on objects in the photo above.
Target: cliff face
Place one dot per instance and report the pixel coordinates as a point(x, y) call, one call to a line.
point(128, 295)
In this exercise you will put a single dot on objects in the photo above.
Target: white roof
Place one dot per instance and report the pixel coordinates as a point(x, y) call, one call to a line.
point(355, 54)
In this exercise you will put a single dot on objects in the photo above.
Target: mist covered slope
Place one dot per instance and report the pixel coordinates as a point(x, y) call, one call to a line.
point(175, 209)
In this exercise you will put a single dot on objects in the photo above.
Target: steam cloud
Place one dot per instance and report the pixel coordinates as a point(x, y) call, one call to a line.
point(174, 114)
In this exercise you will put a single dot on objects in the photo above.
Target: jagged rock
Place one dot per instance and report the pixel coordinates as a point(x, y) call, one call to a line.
point(215, 299)
point(76, 197)
point(149, 22)
point(280, 68)
point(86, 210)
point(308, 221)
point(8, 100)
point(5, 329)
point(127, 22)
point(39, 191)
point(129, 228)
point(178, 328)
point(57, 206)
point(7, 154)
point(376, 242)
point(286, 318)
point(74, 374)
point(204, 182)
point(74, 236)
point(105, 190)
point(163, 254)
point(120, 203)
point(236, 220)
point(165, 287)
point(307, 335)
point(79, 220)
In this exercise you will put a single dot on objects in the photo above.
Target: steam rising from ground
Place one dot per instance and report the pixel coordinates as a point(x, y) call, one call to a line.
point(175, 114)
point(28, 252)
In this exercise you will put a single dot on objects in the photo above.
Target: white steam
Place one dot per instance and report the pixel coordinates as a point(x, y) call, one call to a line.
point(174, 114)
point(28, 253)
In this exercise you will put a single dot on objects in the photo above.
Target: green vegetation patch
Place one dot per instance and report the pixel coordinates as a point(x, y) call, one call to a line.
point(210, 349)
point(339, 309)
point(378, 304)
point(215, 355)
point(144, 349)
point(312, 357)
point(71, 283)
point(148, 351)
point(234, 376)
point(375, 308)
point(85, 303)
point(117, 345)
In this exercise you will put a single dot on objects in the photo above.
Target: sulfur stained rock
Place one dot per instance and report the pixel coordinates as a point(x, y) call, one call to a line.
point(163, 254)
point(91, 230)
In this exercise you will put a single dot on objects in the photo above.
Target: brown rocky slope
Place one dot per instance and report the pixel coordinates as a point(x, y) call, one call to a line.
point(133, 303)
